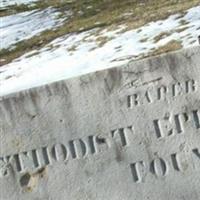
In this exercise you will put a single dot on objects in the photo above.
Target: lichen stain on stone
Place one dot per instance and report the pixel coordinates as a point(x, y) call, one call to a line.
point(17, 143)
point(29, 181)
point(42, 172)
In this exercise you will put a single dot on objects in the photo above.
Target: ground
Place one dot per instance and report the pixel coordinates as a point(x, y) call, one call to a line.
point(49, 40)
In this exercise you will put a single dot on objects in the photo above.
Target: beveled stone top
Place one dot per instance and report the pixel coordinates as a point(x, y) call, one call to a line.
point(127, 133)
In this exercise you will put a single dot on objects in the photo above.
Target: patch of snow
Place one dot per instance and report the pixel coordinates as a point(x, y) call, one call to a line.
point(21, 26)
point(81, 53)
point(5, 3)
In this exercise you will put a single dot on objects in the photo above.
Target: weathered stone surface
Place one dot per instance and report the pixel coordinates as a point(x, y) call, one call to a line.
point(125, 133)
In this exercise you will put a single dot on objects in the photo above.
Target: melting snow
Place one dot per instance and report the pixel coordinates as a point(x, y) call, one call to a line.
point(77, 54)
point(18, 27)
point(5, 3)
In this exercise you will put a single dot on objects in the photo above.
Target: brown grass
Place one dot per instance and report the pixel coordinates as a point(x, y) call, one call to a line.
point(144, 39)
point(179, 30)
point(173, 45)
point(161, 36)
point(106, 13)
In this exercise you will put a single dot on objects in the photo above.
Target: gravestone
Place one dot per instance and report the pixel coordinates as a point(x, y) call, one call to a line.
point(126, 133)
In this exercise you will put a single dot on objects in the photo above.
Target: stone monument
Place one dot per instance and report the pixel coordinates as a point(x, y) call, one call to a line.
point(126, 133)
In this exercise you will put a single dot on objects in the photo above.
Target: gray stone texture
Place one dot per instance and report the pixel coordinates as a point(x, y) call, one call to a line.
point(127, 133)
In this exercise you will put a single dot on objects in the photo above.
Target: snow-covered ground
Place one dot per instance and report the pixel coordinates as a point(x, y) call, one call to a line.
point(21, 26)
point(5, 3)
point(77, 54)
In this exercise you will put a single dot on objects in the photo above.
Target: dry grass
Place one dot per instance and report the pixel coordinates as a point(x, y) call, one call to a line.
point(103, 40)
point(86, 14)
point(161, 36)
point(173, 45)
point(183, 22)
point(144, 39)
point(179, 30)
point(72, 48)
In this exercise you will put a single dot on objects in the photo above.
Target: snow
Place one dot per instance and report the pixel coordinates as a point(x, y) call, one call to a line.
point(5, 3)
point(76, 54)
point(21, 26)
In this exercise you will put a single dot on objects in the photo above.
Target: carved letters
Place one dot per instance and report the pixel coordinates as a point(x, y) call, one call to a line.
point(176, 124)
point(161, 93)
point(161, 167)
point(171, 124)
point(61, 152)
